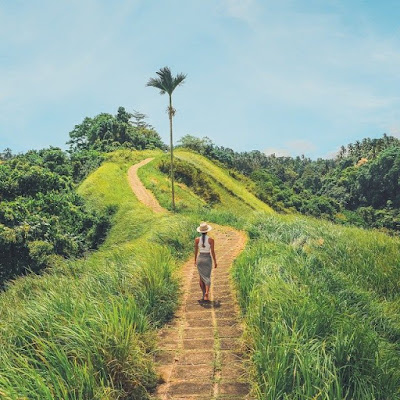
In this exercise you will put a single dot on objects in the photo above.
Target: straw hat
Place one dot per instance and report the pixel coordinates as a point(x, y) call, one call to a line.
point(204, 227)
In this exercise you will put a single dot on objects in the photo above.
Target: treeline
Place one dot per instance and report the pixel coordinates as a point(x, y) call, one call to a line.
point(360, 186)
point(106, 132)
point(42, 217)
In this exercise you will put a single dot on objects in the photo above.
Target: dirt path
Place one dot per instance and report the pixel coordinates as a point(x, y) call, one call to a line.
point(145, 196)
point(199, 355)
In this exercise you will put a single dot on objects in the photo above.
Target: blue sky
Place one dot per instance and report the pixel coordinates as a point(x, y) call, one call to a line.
point(290, 77)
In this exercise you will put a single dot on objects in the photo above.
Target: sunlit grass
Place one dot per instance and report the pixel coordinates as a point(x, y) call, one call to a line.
point(317, 326)
point(84, 330)
point(160, 185)
point(321, 302)
point(221, 175)
point(230, 210)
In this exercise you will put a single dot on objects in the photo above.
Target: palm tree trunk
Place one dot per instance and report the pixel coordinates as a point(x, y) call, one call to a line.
point(172, 153)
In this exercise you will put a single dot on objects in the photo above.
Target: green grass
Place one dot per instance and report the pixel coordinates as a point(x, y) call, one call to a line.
point(321, 309)
point(231, 210)
point(321, 302)
point(221, 175)
point(160, 185)
point(85, 329)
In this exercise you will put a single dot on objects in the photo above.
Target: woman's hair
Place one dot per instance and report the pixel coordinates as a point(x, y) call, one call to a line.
point(203, 238)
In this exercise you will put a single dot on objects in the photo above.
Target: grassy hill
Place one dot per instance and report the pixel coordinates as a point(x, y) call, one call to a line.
point(84, 329)
point(320, 302)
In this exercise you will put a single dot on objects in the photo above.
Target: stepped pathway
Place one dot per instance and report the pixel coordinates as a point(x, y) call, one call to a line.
point(199, 355)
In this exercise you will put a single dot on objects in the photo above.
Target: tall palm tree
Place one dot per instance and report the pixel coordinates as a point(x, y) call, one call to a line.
point(167, 84)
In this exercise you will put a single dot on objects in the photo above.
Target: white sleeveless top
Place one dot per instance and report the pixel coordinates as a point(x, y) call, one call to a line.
point(207, 247)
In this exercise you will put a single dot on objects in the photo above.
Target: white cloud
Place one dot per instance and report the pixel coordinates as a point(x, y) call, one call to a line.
point(240, 9)
point(394, 131)
point(292, 148)
point(301, 146)
point(254, 68)
point(330, 155)
point(316, 62)
point(278, 152)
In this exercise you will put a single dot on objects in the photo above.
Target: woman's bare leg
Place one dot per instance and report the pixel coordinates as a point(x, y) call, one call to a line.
point(203, 287)
point(207, 288)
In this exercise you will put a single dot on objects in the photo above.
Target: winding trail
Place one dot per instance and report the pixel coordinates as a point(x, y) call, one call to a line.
point(200, 355)
point(144, 195)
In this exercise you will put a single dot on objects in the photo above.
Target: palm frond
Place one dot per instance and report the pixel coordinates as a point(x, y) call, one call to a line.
point(166, 77)
point(165, 81)
point(157, 83)
point(178, 80)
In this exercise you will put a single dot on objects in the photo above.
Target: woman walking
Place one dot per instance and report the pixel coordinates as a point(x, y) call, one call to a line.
point(204, 248)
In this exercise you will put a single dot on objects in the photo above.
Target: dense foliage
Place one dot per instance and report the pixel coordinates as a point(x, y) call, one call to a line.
point(106, 132)
point(360, 186)
point(41, 216)
point(192, 177)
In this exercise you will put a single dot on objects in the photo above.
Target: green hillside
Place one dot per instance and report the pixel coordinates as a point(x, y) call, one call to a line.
point(320, 301)
point(358, 186)
point(84, 329)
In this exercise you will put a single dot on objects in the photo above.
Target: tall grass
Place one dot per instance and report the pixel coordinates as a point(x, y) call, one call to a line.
point(160, 184)
point(317, 327)
point(231, 210)
point(320, 302)
point(85, 329)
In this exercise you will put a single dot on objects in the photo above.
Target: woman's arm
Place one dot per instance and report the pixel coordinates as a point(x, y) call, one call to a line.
point(196, 248)
point(213, 252)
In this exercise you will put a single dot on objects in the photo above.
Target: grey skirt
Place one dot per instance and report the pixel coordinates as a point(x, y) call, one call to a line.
point(204, 264)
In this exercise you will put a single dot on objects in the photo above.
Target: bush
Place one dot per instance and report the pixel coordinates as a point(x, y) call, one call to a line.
point(40, 252)
point(197, 180)
point(41, 215)
point(84, 162)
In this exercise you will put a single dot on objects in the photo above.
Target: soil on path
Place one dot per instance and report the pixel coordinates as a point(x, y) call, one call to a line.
point(144, 195)
point(199, 352)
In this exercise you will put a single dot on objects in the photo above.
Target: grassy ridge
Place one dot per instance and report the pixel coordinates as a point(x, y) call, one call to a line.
point(233, 208)
point(221, 175)
point(85, 329)
point(160, 185)
point(320, 301)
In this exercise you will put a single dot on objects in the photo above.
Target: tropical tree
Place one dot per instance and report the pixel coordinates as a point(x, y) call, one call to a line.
point(106, 132)
point(166, 83)
point(6, 155)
